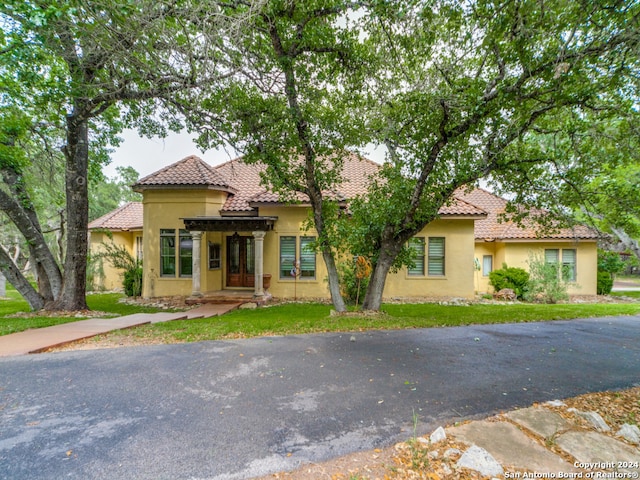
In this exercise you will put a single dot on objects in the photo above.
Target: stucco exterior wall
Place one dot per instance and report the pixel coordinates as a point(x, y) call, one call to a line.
point(290, 223)
point(164, 209)
point(107, 277)
point(517, 254)
point(457, 280)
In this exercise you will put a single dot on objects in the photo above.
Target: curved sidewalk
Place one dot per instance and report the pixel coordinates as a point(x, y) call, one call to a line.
point(38, 339)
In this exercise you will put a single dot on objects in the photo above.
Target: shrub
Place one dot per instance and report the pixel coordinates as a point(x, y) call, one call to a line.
point(354, 278)
point(118, 257)
point(605, 283)
point(132, 282)
point(510, 277)
point(546, 284)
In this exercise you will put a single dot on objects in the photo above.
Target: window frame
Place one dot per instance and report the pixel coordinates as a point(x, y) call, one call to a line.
point(434, 259)
point(168, 235)
point(287, 260)
point(307, 258)
point(417, 245)
point(485, 271)
point(185, 255)
point(214, 259)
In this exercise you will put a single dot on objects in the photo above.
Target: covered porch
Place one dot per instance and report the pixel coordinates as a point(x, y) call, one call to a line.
point(245, 258)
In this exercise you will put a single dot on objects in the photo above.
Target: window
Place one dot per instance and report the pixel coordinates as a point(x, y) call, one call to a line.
point(167, 252)
point(139, 250)
point(416, 245)
point(287, 256)
point(214, 256)
point(487, 265)
point(172, 258)
point(186, 254)
point(569, 261)
point(306, 261)
point(569, 264)
point(436, 256)
point(307, 257)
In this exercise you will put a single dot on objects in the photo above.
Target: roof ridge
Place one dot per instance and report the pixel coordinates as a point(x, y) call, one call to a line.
point(174, 164)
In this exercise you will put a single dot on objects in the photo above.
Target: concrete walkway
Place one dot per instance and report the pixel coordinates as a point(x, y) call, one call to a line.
point(38, 339)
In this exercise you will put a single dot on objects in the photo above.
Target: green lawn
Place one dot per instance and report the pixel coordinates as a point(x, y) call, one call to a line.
point(103, 302)
point(299, 318)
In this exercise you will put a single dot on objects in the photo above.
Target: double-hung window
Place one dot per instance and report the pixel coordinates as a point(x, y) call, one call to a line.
point(297, 258)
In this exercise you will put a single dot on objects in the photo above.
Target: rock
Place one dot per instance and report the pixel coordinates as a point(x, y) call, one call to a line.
point(451, 452)
point(596, 421)
point(353, 338)
point(556, 403)
point(479, 460)
point(631, 433)
point(505, 294)
point(438, 435)
point(248, 306)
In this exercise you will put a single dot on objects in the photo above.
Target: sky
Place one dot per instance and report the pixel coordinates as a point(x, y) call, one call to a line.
point(148, 155)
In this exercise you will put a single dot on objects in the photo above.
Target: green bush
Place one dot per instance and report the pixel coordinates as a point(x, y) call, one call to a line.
point(132, 282)
point(510, 277)
point(353, 288)
point(605, 283)
point(546, 284)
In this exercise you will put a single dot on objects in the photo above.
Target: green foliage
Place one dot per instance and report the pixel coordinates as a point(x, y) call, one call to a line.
point(605, 283)
point(547, 284)
point(119, 257)
point(132, 282)
point(517, 279)
point(610, 262)
point(354, 278)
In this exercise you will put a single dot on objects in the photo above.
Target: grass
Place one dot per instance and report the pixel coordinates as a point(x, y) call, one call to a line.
point(301, 318)
point(630, 294)
point(103, 302)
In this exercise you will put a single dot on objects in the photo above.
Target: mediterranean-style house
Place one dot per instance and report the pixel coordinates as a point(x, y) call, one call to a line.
point(203, 229)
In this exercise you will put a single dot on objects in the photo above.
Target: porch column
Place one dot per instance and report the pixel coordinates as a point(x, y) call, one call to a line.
point(195, 259)
point(259, 266)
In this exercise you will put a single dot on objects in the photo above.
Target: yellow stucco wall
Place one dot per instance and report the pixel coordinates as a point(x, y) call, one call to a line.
point(111, 278)
point(517, 254)
point(458, 278)
point(165, 209)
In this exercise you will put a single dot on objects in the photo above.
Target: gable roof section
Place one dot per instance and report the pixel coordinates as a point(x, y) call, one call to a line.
point(496, 227)
point(126, 217)
point(191, 171)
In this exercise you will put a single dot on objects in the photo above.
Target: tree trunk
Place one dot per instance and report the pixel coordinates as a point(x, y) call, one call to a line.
point(20, 211)
point(15, 277)
point(334, 281)
point(373, 297)
point(630, 244)
point(73, 296)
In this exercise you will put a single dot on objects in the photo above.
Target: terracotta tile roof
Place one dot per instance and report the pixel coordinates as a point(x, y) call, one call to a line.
point(245, 180)
point(126, 217)
point(495, 227)
point(189, 171)
point(461, 207)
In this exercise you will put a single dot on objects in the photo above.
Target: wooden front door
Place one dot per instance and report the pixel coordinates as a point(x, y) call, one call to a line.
point(240, 261)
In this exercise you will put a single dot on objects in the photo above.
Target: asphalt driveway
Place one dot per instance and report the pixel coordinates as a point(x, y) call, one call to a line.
point(238, 409)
